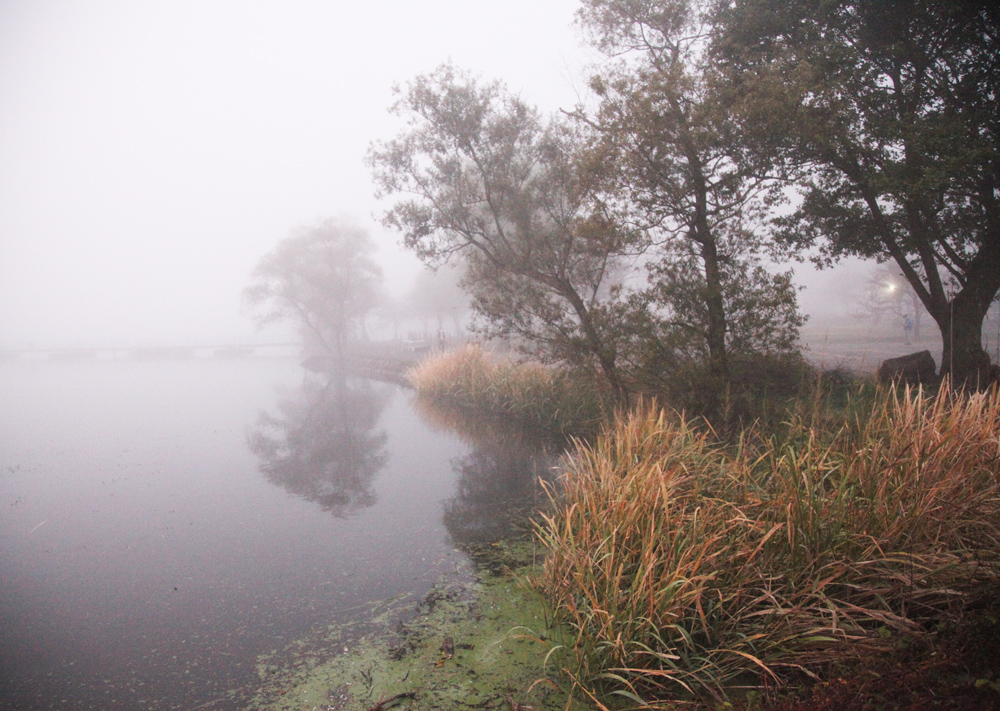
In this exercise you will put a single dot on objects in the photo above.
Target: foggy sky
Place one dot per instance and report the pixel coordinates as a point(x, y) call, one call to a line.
point(151, 152)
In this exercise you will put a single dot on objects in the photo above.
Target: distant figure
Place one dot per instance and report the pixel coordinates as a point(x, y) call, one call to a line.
point(442, 339)
point(908, 327)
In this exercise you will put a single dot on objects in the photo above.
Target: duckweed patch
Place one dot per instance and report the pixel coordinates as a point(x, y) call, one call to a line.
point(484, 644)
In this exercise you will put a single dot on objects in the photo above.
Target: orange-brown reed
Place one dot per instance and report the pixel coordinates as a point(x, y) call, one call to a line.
point(555, 400)
point(687, 567)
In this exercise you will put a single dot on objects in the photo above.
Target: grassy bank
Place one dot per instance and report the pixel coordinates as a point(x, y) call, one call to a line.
point(533, 395)
point(687, 567)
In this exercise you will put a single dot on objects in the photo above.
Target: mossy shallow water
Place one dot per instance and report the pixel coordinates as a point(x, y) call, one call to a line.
point(483, 644)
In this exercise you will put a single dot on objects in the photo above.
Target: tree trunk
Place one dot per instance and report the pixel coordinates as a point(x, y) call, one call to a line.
point(716, 334)
point(960, 317)
point(715, 306)
point(963, 358)
point(597, 346)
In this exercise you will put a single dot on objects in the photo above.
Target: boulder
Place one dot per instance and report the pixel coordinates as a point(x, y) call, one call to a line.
point(912, 369)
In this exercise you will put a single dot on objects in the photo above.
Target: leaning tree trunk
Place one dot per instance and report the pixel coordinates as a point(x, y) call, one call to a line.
point(597, 346)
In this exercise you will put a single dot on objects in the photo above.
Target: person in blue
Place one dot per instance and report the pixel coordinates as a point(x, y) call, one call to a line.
point(907, 327)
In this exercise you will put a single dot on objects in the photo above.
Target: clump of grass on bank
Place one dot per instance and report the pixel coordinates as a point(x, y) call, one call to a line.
point(688, 567)
point(555, 400)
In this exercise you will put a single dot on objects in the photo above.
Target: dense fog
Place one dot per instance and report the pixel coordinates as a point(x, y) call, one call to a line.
point(153, 153)
point(254, 453)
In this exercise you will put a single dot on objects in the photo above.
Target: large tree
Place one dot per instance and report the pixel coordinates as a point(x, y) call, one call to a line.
point(323, 278)
point(891, 111)
point(673, 151)
point(480, 173)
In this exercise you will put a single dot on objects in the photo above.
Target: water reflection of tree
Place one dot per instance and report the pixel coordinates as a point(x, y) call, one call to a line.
point(498, 485)
point(497, 492)
point(323, 445)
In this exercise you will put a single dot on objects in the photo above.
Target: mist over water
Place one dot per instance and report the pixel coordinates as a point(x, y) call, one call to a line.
point(149, 556)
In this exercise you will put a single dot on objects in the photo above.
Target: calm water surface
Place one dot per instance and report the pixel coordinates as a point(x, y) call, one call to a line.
point(164, 523)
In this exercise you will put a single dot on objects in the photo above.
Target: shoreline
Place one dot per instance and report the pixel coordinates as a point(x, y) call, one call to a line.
point(480, 644)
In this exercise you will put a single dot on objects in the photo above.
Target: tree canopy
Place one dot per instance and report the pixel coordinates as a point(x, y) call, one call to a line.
point(480, 173)
point(889, 113)
point(671, 146)
point(709, 115)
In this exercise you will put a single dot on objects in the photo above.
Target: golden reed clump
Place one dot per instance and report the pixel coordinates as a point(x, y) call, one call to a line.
point(685, 565)
point(528, 393)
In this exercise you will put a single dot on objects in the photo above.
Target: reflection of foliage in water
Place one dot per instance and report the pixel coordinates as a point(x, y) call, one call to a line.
point(497, 491)
point(480, 428)
point(498, 482)
point(323, 445)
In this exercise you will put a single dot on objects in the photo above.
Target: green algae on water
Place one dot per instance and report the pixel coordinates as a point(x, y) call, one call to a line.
point(477, 645)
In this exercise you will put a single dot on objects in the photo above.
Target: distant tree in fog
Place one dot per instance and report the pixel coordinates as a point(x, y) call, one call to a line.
point(887, 293)
point(323, 278)
point(393, 311)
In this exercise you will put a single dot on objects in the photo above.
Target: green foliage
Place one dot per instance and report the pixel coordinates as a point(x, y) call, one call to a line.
point(670, 337)
point(686, 566)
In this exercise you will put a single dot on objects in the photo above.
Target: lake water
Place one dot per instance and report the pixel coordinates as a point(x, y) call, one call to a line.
point(163, 524)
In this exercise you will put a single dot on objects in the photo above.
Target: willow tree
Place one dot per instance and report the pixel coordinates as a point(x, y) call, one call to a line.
point(480, 173)
point(890, 109)
point(672, 149)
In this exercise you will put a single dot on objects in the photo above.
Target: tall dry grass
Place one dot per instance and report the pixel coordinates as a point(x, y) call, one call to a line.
point(532, 394)
point(686, 566)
